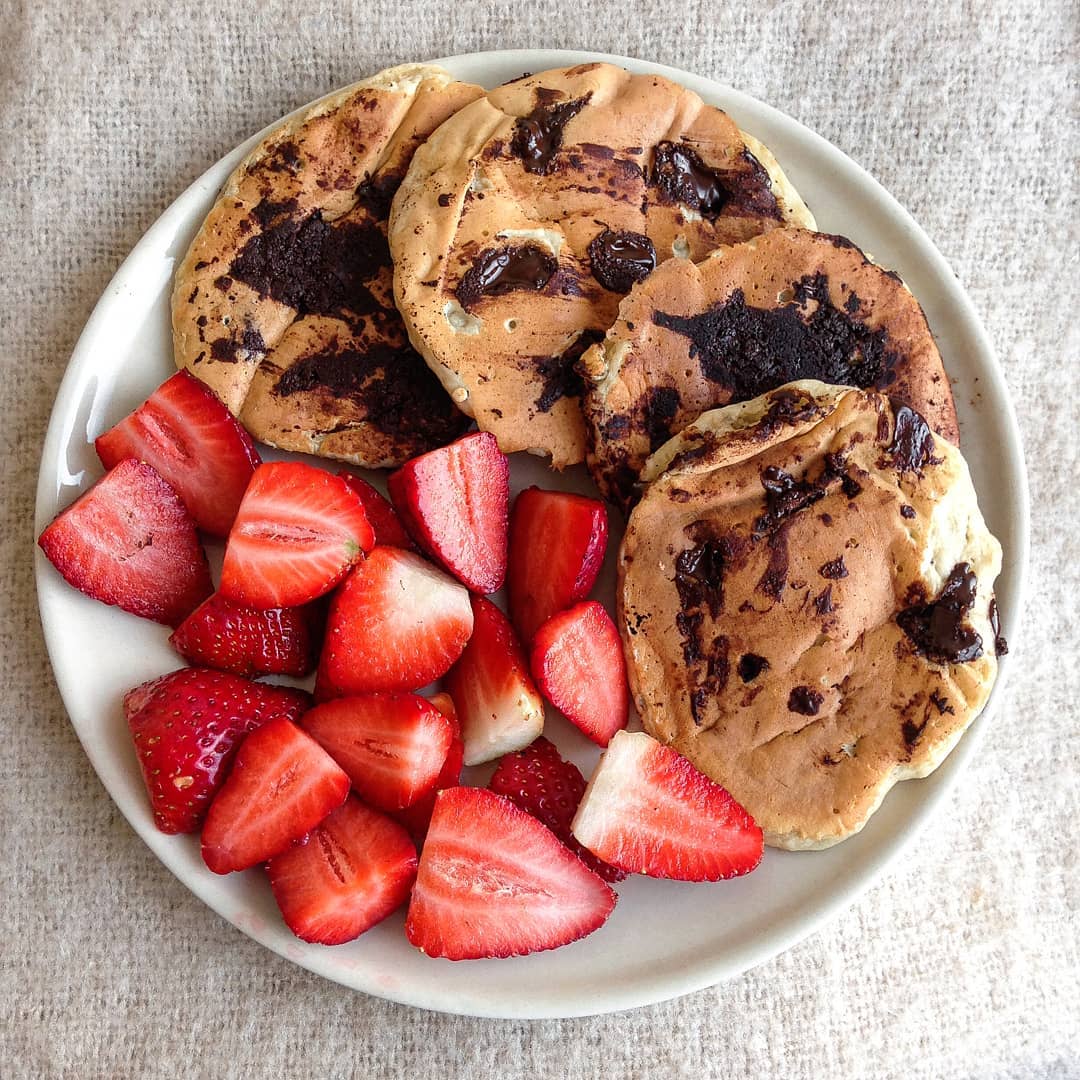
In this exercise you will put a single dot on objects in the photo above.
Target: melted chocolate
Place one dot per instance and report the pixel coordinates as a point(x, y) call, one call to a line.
point(907, 511)
point(751, 666)
point(834, 569)
point(538, 136)
point(912, 447)
point(805, 701)
point(1001, 646)
point(784, 495)
point(937, 629)
point(682, 177)
point(699, 577)
point(559, 374)
point(661, 406)
point(621, 259)
point(823, 604)
point(376, 195)
point(506, 269)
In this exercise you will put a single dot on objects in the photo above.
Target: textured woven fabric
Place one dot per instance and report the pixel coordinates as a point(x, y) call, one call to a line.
point(964, 962)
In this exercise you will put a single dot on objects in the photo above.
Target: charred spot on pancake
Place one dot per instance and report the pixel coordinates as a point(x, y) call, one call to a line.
point(249, 342)
point(912, 446)
point(1001, 646)
point(752, 350)
point(538, 136)
point(805, 701)
point(621, 259)
point(751, 666)
point(559, 375)
point(314, 266)
point(680, 175)
point(834, 569)
point(497, 271)
point(937, 629)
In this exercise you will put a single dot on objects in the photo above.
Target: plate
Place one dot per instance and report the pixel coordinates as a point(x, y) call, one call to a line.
point(664, 938)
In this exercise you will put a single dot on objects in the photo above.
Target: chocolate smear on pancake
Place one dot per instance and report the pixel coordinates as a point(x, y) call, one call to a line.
point(538, 136)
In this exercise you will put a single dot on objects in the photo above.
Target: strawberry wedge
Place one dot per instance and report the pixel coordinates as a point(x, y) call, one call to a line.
point(297, 533)
point(417, 818)
point(455, 502)
point(380, 512)
point(194, 442)
point(130, 542)
point(647, 810)
point(493, 881)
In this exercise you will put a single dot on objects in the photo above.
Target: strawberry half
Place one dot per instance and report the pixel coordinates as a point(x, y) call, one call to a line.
point(393, 746)
point(539, 781)
point(297, 533)
point(185, 727)
point(354, 869)
point(194, 442)
point(130, 542)
point(455, 502)
point(647, 810)
point(498, 704)
point(557, 545)
point(417, 818)
point(493, 881)
point(282, 784)
point(578, 663)
point(249, 641)
point(397, 623)
point(380, 512)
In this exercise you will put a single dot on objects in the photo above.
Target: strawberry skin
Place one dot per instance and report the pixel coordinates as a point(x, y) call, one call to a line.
point(194, 442)
point(417, 818)
point(578, 663)
point(353, 870)
point(297, 533)
point(397, 623)
point(380, 512)
point(393, 746)
point(130, 542)
point(455, 501)
point(557, 546)
point(498, 704)
point(249, 641)
point(282, 784)
point(647, 810)
point(493, 881)
point(539, 781)
point(185, 727)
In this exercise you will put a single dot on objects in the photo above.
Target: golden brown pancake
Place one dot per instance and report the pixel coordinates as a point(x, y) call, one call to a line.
point(790, 304)
point(806, 603)
point(284, 303)
point(525, 218)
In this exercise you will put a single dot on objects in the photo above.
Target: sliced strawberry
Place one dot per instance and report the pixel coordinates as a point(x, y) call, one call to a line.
point(393, 746)
point(647, 810)
point(249, 641)
point(354, 869)
point(297, 533)
point(397, 623)
point(557, 545)
point(194, 442)
point(186, 725)
point(498, 703)
point(282, 784)
point(385, 523)
point(129, 542)
point(578, 663)
point(417, 818)
point(539, 781)
point(455, 502)
point(493, 881)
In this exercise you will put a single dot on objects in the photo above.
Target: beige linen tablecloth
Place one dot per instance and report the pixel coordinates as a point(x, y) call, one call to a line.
point(964, 961)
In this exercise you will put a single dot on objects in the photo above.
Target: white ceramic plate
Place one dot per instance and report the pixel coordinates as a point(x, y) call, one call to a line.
point(664, 938)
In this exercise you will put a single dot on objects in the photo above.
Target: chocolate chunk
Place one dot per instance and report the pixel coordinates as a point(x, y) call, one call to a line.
point(805, 701)
point(501, 270)
point(660, 409)
point(538, 136)
point(784, 495)
point(751, 666)
point(621, 259)
point(559, 374)
point(682, 177)
point(1001, 646)
point(937, 629)
point(834, 569)
point(699, 577)
point(912, 447)
point(249, 341)
point(907, 511)
point(376, 195)
point(823, 601)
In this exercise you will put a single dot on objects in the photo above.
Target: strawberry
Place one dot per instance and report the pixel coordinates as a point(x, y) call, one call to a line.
point(499, 706)
point(393, 746)
point(578, 663)
point(297, 533)
point(249, 641)
point(493, 881)
point(194, 442)
point(417, 818)
point(397, 623)
point(455, 502)
point(354, 869)
point(186, 725)
point(539, 781)
point(281, 786)
point(647, 810)
point(129, 542)
point(385, 523)
point(557, 545)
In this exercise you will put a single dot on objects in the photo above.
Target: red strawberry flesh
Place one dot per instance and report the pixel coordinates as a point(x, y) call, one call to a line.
point(417, 818)
point(384, 521)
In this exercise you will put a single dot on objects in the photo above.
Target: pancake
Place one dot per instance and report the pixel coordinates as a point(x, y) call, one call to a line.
point(788, 305)
point(284, 304)
point(525, 218)
point(806, 604)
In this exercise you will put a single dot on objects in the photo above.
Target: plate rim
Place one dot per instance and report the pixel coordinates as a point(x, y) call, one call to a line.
point(794, 930)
